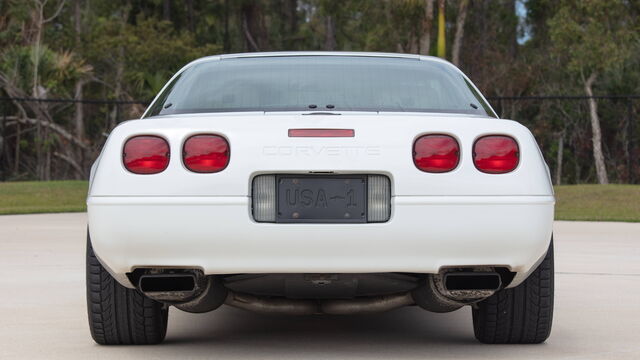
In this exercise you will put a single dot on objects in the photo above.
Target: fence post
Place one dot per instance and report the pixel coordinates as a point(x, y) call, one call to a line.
point(2, 135)
point(117, 114)
point(559, 157)
point(631, 143)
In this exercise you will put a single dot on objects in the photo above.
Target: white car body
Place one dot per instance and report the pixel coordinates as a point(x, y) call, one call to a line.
point(422, 197)
point(183, 219)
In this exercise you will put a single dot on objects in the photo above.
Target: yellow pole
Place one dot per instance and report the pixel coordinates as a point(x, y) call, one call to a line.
point(442, 53)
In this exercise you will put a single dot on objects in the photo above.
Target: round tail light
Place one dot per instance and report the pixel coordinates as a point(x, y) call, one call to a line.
point(496, 154)
point(436, 153)
point(206, 153)
point(146, 154)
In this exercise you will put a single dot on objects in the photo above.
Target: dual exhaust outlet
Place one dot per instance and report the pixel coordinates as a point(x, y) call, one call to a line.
point(192, 291)
point(472, 281)
point(183, 283)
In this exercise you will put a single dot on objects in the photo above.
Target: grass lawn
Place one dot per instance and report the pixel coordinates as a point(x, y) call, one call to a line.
point(574, 202)
point(598, 202)
point(42, 197)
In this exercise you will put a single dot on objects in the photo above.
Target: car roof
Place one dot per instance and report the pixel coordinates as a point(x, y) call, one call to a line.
point(317, 53)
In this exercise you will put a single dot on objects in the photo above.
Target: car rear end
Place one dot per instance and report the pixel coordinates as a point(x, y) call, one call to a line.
point(404, 219)
point(311, 183)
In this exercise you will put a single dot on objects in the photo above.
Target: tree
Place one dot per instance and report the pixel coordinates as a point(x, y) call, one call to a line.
point(425, 40)
point(441, 29)
point(126, 50)
point(329, 11)
point(79, 116)
point(457, 40)
point(591, 38)
point(254, 26)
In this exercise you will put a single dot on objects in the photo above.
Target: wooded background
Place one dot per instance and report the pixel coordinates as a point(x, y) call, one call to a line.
point(71, 70)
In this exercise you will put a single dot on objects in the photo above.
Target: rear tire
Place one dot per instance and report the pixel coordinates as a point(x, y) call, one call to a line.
point(119, 315)
point(520, 315)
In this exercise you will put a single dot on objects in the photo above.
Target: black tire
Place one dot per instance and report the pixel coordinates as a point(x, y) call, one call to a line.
point(119, 315)
point(520, 315)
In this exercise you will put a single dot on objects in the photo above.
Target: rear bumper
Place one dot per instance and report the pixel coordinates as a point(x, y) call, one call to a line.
point(218, 235)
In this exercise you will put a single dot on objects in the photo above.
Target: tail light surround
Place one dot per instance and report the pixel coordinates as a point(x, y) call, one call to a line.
point(436, 153)
point(146, 154)
point(205, 153)
point(496, 154)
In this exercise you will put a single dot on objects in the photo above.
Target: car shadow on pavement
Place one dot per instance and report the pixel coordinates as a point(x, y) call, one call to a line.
point(246, 334)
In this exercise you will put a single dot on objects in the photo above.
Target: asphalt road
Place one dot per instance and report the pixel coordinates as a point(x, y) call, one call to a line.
point(42, 308)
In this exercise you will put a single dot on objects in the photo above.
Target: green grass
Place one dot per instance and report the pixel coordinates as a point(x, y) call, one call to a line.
point(30, 197)
point(598, 202)
point(574, 202)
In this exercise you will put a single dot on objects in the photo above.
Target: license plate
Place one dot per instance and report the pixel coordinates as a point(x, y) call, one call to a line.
point(322, 199)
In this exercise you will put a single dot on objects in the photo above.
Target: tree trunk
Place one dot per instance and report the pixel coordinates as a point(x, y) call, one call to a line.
point(190, 18)
point(414, 44)
point(254, 27)
point(457, 40)
point(330, 33)
point(166, 10)
point(77, 20)
point(49, 125)
point(252, 45)
point(601, 170)
point(79, 171)
point(79, 109)
point(39, 19)
point(293, 17)
point(442, 50)
point(387, 6)
point(79, 120)
point(226, 39)
point(41, 109)
point(425, 39)
point(559, 158)
point(118, 88)
point(513, 23)
point(289, 26)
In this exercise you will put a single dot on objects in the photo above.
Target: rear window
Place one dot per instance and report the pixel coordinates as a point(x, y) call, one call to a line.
point(319, 83)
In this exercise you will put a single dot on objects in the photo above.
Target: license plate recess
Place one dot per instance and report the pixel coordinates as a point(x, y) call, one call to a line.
point(321, 199)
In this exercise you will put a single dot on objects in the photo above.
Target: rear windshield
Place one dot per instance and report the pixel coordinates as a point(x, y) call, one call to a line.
point(319, 83)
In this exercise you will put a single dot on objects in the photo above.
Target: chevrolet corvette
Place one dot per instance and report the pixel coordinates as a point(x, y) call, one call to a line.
point(310, 183)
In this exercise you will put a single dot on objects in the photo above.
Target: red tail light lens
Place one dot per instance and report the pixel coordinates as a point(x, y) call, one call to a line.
point(146, 154)
point(436, 153)
point(496, 154)
point(206, 153)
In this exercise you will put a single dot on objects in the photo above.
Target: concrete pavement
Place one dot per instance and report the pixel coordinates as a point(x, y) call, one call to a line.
point(43, 315)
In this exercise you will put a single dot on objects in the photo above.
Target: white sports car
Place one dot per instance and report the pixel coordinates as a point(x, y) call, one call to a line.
point(320, 183)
